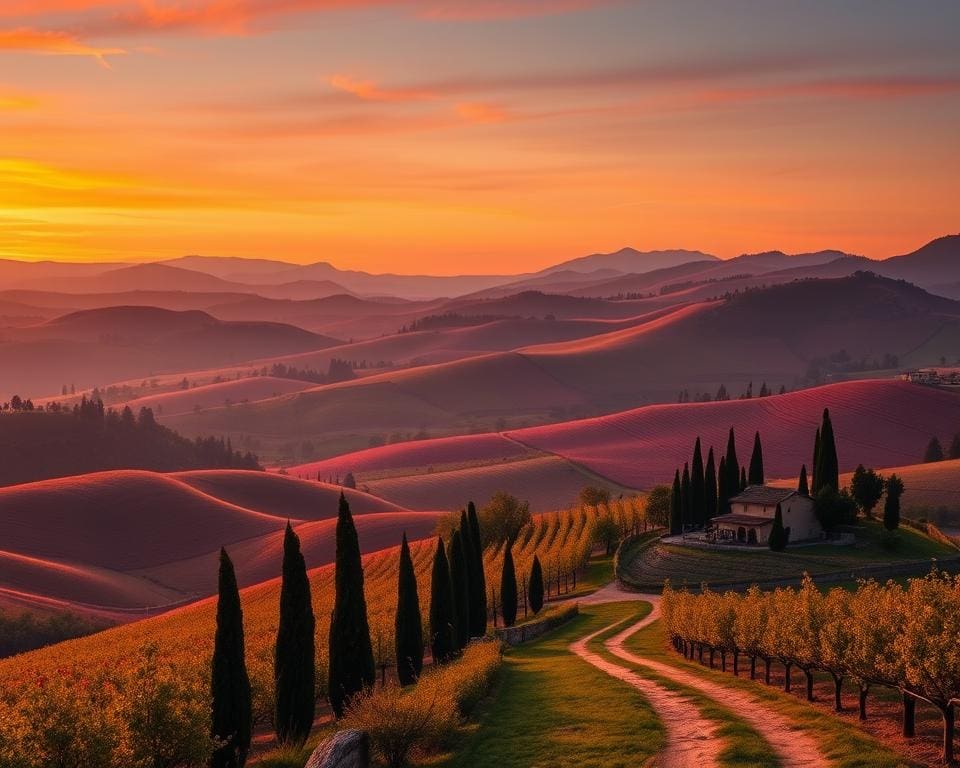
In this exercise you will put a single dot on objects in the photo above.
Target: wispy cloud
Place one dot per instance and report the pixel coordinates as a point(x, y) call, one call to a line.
point(53, 43)
point(367, 90)
point(841, 88)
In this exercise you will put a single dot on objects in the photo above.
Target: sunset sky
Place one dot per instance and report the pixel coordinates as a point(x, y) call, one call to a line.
point(474, 135)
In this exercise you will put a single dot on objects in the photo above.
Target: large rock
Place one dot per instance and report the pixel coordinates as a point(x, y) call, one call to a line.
point(345, 749)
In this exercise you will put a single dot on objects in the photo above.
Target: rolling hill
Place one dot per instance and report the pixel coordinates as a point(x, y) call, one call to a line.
point(124, 543)
point(879, 423)
point(102, 345)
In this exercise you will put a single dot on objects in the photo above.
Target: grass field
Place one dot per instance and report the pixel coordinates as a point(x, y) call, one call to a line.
point(687, 566)
point(552, 708)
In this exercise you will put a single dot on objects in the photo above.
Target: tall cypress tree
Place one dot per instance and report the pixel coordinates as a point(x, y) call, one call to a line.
point(685, 495)
point(733, 467)
point(827, 472)
point(697, 487)
point(723, 495)
point(350, 661)
point(676, 512)
point(460, 584)
point(802, 487)
point(294, 659)
point(408, 623)
point(778, 534)
point(743, 478)
point(710, 488)
point(755, 476)
point(442, 633)
point(469, 552)
point(508, 588)
point(232, 716)
point(816, 463)
point(535, 588)
point(478, 596)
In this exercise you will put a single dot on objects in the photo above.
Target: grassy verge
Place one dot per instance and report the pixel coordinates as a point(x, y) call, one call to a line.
point(552, 708)
point(743, 746)
point(845, 745)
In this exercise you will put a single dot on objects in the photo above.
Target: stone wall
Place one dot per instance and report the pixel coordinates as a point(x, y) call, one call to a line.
point(345, 749)
point(533, 629)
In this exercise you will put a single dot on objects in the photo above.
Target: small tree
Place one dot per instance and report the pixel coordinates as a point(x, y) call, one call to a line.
point(502, 518)
point(408, 622)
point(659, 505)
point(508, 588)
point(592, 496)
point(891, 506)
point(294, 670)
point(833, 509)
point(755, 477)
point(866, 487)
point(349, 481)
point(779, 536)
point(607, 532)
point(953, 452)
point(803, 488)
point(350, 660)
point(934, 451)
point(232, 716)
point(442, 637)
point(535, 588)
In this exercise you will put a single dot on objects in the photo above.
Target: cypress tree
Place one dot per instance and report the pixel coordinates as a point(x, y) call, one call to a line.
point(350, 661)
point(535, 588)
point(408, 623)
point(460, 584)
point(802, 487)
point(827, 472)
point(685, 496)
point(816, 462)
point(478, 597)
point(733, 467)
point(698, 513)
point(710, 488)
point(676, 513)
point(232, 704)
point(743, 478)
point(934, 451)
point(294, 660)
point(469, 552)
point(508, 588)
point(778, 534)
point(723, 495)
point(756, 462)
point(442, 638)
point(891, 506)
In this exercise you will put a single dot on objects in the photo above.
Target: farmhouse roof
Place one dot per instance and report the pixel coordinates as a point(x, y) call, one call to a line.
point(748, 520)
point(766, 495)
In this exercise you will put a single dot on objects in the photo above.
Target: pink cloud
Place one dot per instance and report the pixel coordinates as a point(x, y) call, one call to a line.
point(367, 90)
point(53, 44)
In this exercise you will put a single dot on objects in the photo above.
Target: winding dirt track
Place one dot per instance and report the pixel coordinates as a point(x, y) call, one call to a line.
point(689, 735)
point(794, 746)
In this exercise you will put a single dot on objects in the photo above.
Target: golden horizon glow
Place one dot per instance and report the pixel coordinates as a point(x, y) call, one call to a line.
point(467, 137)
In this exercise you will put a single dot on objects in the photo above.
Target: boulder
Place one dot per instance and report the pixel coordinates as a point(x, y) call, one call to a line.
point(345, 749)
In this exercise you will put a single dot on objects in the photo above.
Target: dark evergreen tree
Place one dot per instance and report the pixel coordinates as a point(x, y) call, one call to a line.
point(778, 534)
point(698, 515)
point(733, 470)
point(232, 704)
point(460, 584)
point(478, 583)
point(891, 506)
point(953, 452)
point(508, 588)
point(710, 488)
point(803, 488)
point(408, 623)
point(442, 633)
point(816, 462)
point(294, 660)
point(934, 451)
point(723, 495)
point(827, 472)
point(743, 478)
point(469, 552)
point(535, 588)
point(350, 663)
point(685, 496)
point(755, 477)
point(676, 506)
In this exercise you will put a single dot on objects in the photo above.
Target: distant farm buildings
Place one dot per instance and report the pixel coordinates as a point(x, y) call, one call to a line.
point(943, 377)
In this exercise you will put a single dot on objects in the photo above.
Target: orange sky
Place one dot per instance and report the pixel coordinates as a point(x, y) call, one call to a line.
point(482, 136)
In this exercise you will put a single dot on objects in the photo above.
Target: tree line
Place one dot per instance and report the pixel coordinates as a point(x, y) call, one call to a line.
point(62, 440)
point(889, 635)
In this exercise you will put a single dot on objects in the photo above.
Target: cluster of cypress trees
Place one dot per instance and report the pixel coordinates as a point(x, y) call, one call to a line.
point(702, 492)
point(458, 591)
